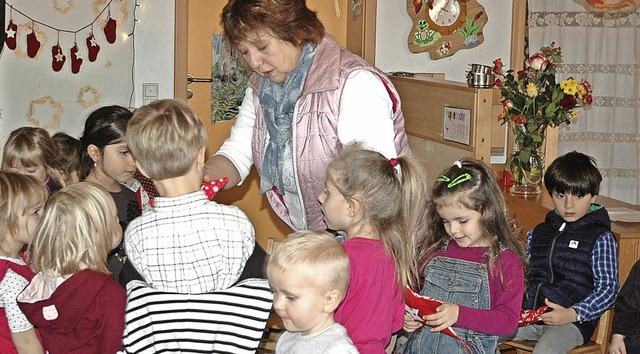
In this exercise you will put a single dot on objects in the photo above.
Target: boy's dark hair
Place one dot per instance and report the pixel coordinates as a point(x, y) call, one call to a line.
point(574, 173)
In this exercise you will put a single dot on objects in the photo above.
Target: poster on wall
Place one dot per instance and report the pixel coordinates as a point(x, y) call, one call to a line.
point(229, 76)
point(456, 125)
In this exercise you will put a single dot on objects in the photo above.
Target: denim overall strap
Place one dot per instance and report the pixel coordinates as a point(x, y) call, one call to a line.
point(463, 283)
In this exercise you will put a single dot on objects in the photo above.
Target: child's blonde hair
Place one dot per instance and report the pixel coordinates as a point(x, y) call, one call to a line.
point(320, 252)
point(392, 201)
point(165, 137)
point(76, 231)
point(18, 193)
point(473, 185)
point(31, 147)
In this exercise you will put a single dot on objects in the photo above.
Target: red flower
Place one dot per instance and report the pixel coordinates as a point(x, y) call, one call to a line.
point(588, 99)
point(522, 74)
point(568, 102)
point(538, 61)
point(499, 83)
point(497, 66)
point(519, 119)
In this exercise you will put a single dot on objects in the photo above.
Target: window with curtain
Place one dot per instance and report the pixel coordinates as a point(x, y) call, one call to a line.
point(602, 47)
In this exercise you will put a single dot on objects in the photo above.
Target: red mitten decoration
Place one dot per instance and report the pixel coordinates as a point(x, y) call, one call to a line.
point(58, 58)
point(209, 188)
point(110, 30)
point(33, 44)
point(528, 317)
point(213, 187)
point(10, 35)
point(76, 59)
point(92, 48)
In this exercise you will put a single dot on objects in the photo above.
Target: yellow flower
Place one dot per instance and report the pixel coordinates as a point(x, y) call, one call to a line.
point(573, 114)
point(570, 86)
point(532, 90)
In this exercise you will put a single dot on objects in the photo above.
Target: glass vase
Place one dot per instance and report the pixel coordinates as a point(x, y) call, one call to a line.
point(528, 182)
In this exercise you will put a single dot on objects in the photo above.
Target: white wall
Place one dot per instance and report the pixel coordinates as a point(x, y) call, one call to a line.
point(54, 96)
point(394, 25)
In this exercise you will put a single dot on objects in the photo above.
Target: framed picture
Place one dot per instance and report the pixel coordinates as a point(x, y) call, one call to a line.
point(456, 125)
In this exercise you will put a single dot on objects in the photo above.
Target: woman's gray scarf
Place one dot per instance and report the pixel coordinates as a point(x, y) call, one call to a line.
point(278, 101)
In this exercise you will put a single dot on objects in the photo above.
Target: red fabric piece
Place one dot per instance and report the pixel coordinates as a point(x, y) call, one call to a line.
point(528, 317)
point(33, 44)
point(11, 41)
point(76, 59)
point(56, 64)
point(417, 306)
point(147, 184)
point(209, 188)
point(92, 47)
point(110, 30)
point(90, 309)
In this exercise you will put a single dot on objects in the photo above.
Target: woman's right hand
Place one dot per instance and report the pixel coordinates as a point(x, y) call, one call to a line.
point(410, 325)
point(218, 166)
point(617, 345)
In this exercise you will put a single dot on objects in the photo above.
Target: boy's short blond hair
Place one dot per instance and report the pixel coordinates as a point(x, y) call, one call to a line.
point(165, 137)
point(317, 253)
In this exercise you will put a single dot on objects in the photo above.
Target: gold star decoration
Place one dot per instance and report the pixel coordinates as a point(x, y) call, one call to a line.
point(57, 7)
point(88, 90)
point(33, 108)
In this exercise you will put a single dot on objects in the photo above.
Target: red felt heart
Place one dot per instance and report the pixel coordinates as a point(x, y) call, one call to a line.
point(57, 57)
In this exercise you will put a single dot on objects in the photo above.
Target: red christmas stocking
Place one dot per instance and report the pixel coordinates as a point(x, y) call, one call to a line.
point(110, 30)
point(76, 59)
point(58, 58)
point(33, 44)
point(92, 48)
point(10, 35)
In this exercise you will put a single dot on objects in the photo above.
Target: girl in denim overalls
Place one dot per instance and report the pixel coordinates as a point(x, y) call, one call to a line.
point(472, 261)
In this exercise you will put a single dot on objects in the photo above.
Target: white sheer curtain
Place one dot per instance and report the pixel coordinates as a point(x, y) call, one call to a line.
point(603, 48)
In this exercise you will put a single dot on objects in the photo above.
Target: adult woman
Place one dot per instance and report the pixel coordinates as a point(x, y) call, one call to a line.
point(306, 98)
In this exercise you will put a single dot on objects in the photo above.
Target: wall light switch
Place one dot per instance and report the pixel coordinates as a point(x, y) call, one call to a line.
point(150, 90)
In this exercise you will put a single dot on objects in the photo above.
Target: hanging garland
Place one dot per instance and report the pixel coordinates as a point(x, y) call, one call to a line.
point(58, 58)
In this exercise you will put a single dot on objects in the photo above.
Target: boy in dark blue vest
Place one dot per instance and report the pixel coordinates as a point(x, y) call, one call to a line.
point(572, 257)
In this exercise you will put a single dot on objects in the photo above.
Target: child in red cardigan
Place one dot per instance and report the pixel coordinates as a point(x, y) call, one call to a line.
point(73, 300)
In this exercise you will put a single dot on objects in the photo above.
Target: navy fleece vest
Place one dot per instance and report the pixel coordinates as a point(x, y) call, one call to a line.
point(560, 262)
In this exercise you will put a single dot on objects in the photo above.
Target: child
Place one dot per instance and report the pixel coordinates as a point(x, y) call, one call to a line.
point(31, 151)
point(573, 259)
point(470, 260)
point(309, 275)
point(68, 149)
point(625, 330)
point(376, 208)
point(105, 160)
point(186, 244)
point(73, 301)
point(21, 201)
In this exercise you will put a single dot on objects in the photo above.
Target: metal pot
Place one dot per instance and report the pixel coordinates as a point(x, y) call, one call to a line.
point(482, 69)
point(480, 80)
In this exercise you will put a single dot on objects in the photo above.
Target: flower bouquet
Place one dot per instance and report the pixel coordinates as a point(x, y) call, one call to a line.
point(533, 101)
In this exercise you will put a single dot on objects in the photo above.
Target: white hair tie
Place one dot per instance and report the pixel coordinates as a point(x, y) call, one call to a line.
point(458, 163)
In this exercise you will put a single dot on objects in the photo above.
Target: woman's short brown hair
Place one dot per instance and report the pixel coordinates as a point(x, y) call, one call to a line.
point(288, 20)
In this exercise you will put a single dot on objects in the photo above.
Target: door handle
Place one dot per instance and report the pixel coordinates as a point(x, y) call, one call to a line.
point(191, 79)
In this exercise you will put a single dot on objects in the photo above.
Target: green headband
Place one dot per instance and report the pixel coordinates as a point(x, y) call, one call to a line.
point(462, 178)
